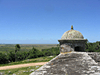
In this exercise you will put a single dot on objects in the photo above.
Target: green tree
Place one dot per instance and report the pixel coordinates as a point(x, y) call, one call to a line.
point(34, 53)
point(17, 48)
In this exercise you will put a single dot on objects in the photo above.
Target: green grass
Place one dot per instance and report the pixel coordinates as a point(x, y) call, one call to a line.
point(24, 70)
point(20, 71)
point(40, 59)
point(25, 47)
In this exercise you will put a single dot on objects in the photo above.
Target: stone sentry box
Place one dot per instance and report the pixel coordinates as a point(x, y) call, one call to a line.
point(72, 40)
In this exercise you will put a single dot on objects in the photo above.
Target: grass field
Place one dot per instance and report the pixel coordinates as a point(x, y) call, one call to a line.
point(25, 47)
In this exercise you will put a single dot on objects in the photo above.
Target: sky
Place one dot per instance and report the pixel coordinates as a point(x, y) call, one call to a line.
point(45, 21)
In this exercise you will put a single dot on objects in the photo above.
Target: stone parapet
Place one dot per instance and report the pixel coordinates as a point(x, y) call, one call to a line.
point(95, 56)
point(73, 63)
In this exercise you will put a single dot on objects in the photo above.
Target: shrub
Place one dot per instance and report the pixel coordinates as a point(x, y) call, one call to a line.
point(3, 59)
point(11, 56)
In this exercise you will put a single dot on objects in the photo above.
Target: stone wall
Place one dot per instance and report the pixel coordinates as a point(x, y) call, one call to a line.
point(67, 46)
point(73, 63)
point(94, 55)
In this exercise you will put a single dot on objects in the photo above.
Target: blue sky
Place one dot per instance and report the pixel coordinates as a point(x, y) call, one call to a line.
point(45, 21)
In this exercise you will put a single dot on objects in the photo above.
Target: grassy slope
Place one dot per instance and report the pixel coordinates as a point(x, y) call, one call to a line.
point(25, 70)
point(40, 59)
point(20, 71)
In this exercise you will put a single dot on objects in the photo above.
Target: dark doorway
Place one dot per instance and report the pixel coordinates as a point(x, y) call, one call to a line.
point(78, 49)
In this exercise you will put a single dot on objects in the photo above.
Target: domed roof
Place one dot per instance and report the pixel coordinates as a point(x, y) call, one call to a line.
point(72, 34)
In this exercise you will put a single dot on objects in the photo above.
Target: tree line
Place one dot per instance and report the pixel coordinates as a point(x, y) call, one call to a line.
point(92, 47)
point(18, 55)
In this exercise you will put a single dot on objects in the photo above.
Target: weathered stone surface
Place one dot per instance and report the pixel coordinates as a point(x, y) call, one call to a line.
point(66, 48)
point(70, 46)
point(95, 56)
point(72, 34)
point(74, 63)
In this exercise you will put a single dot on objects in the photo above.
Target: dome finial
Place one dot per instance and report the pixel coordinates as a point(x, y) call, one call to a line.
point(72, 27)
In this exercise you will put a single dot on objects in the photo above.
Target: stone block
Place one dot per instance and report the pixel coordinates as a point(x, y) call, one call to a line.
point(65, 48)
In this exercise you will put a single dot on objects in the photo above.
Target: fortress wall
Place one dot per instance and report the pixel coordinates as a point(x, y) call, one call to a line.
point(94, 55)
